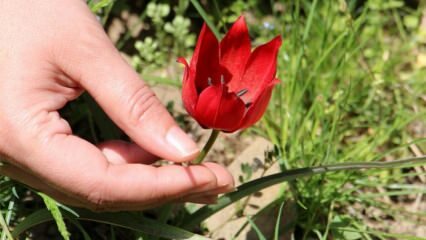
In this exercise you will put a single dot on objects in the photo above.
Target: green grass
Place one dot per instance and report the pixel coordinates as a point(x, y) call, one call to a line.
point(351, 91)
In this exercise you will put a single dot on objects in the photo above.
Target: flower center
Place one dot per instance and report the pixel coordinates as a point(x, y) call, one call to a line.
point(239, 94)
point(210, 81)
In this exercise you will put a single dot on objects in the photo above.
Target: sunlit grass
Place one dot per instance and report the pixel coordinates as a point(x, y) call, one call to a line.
point(352, 90)
point(348, 93)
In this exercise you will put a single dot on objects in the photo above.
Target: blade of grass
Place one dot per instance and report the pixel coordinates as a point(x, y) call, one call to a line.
point(53, 208)
point(278, 223)
point(309, 22)
point(382, 234)
point(96, 6)
point(256, 229)
point(78, 225)
point(108, 9)
point(8, 217)
point(4, 227)
point(206, 18)
point(269, 207)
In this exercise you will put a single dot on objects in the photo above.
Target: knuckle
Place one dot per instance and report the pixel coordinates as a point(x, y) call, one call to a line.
point(48, 124)
point(95, 198)
point(143, 103)
point(95, 201)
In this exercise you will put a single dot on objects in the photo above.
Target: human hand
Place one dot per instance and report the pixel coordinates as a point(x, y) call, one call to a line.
point(50, 52)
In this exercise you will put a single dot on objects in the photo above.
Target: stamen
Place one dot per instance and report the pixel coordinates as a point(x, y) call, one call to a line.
point(242, 92)
point(222, 79)
point(248, 104)
point(209, 81)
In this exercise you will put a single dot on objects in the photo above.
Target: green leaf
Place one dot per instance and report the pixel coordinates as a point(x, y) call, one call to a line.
point(78, 225)
point(278, 222)
point(34, 219)
point(122, 219)
point(95, 7)
point(206, 18)
point(256, 185)
point(256, 229)
point(53, 207)
point(4, 227)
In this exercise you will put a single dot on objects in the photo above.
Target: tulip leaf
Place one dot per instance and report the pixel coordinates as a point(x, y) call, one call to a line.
point(120, 219)
point(256, 185)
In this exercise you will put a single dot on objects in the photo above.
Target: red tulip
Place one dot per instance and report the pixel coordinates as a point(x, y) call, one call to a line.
point(227, 87)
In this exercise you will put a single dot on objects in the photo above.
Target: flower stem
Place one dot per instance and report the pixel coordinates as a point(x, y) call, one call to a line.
point(207, 147)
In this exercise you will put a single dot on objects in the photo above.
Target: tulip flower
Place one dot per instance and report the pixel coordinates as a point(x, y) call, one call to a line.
point(227, 86)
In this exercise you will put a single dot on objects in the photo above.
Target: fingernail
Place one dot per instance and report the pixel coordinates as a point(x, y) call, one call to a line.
point(233, 189)
point(215, 192)
point(226, 188)
point(222, 190)
point(182, 142)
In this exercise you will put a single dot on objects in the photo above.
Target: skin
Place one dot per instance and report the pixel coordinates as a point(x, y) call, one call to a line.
point(52, 51)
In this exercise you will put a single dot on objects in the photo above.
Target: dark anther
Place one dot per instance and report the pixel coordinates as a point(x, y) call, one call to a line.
point(242, 92)
point(222, 79)
point(248, 104)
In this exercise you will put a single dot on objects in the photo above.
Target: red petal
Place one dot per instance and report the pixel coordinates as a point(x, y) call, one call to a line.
point(219, 109)
point(205, 61)
point(258, 108)
point(235, 51)
point(189, 92)
point(260, 69)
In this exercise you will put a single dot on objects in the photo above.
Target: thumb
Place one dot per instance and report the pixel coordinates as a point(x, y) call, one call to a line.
point(97, 66)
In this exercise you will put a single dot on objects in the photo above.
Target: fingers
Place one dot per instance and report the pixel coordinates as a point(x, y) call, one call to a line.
point(200, 184)
point(100, 69)
point(141, 185)
point(208, 197)
point(75, 166)
point(77, 53)
point(224, 178)
point(120, 152)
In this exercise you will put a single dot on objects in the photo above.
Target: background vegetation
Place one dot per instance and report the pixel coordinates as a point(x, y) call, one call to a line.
point(353, 89)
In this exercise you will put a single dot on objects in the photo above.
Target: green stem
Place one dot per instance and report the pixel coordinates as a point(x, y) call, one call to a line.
point(167, 209)
point(256, 185)
point(207, 147)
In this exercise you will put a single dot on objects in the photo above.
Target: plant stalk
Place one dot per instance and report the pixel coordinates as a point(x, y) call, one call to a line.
point(207, 147)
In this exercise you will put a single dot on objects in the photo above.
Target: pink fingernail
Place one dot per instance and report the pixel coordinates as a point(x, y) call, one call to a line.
point(182, 142)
